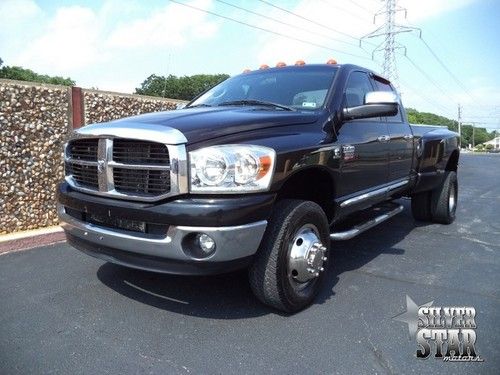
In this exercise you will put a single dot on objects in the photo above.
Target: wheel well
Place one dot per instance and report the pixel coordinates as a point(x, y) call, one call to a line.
point(452, 164)
point(313, 185)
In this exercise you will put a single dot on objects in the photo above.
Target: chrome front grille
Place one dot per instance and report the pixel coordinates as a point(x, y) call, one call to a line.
point(140, 152)
point(142, 181)
point(125, 168)
point(84, 149)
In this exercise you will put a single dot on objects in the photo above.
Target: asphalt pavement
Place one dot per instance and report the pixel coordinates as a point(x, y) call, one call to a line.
point(64, 312)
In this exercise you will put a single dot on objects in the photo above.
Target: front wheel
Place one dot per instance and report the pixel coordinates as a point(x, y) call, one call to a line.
point(290, 264)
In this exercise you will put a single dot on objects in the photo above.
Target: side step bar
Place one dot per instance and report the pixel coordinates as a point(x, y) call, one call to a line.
point(360, 228)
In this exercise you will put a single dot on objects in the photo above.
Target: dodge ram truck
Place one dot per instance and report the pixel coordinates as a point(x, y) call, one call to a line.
point(264, 171)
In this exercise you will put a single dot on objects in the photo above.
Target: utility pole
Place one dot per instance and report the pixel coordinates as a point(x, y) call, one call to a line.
point(389, 30)
point(460, 123)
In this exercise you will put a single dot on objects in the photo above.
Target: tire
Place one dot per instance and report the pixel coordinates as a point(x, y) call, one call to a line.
point(271, 278)
point(421, 206)
point(444, 200)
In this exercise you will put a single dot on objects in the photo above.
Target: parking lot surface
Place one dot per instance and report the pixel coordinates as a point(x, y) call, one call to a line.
point(64, 312)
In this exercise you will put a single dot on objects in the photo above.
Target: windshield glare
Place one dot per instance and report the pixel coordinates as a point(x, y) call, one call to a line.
point(304, 90)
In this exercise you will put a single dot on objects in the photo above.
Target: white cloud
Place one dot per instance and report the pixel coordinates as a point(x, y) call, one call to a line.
point(13, 12)
point(419, 10)
point(172, 25)
point(70, 41)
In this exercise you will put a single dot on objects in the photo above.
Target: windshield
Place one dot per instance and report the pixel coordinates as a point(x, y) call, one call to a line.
point(304, 90)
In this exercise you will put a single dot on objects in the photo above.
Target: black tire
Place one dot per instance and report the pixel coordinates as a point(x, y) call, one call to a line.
point(269, 275)
point(444, 200)
point(421, 206)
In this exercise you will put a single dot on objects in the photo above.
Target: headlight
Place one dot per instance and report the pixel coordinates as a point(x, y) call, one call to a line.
point(231, 169)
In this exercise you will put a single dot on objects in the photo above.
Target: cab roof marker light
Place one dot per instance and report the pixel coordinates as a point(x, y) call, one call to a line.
point(300, 62)
point(246, 70)
point(264, 66)
point(280, 64)
point(331, 62)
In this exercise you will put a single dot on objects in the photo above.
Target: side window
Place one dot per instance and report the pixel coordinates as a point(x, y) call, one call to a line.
point(358, 85)
point(384, 86)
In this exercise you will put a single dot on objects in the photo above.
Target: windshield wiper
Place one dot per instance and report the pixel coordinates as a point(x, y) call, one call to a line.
point(199, 105)
point(257, 102)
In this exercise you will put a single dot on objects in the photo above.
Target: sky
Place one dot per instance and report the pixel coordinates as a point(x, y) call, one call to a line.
point(115, 45)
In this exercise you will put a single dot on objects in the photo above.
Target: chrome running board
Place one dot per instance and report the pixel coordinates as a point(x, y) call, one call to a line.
point(360, 228)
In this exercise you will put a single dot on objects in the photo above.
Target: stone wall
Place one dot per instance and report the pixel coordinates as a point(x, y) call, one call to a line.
point(103, 106)
point(34, 122)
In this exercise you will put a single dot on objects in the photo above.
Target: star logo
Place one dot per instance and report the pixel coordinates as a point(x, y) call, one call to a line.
point(410, 316)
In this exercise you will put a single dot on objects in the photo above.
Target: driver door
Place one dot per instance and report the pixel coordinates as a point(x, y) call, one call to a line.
point(365, 151)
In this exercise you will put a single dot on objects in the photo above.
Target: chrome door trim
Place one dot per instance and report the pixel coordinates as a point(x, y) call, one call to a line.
point(374, 193)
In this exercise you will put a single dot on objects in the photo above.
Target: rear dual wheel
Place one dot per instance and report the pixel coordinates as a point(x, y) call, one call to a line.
point(438, 205)
point(290, 265)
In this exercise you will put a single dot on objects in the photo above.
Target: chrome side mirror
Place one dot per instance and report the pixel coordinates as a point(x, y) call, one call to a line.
point(381, 97)
point(377, 103)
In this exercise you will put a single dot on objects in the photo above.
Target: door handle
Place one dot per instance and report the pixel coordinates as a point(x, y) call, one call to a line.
point(384, 138)
point(408, 137)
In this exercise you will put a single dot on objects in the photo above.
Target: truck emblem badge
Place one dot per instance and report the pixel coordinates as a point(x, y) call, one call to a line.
point(348, 152)
point(336, 153)
point(100, 166)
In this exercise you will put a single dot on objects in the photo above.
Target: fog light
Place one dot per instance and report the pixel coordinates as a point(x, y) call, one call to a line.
point(206, 243)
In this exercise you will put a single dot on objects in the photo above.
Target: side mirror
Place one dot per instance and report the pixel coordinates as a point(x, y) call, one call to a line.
point(377, 103)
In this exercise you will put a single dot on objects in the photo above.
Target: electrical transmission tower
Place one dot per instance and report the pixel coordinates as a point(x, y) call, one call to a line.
point(389, 29)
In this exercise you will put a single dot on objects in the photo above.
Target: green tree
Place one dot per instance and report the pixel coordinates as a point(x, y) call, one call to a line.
point(185, 88)
point(22, 74)
point(481, 135)
point(416, 117)
point(1, 62)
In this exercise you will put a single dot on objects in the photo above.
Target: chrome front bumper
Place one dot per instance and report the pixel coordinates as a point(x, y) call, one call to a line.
point(232, 242)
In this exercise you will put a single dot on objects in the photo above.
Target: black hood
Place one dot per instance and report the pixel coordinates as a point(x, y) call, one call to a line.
point(199, 124)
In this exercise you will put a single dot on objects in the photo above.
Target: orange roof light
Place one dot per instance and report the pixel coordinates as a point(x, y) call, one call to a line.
point(300, 62)
point(281, 64)
point(264, 66)
point(247, 70)
point(331, 62)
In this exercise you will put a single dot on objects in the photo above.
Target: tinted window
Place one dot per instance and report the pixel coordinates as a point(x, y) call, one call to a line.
point(306, 89)
point(358, 85)
point(383, 86)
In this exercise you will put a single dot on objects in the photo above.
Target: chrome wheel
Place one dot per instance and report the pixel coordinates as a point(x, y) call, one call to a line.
point(307, 255)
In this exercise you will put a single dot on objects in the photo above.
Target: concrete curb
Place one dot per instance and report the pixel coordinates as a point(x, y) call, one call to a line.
point(29, 239)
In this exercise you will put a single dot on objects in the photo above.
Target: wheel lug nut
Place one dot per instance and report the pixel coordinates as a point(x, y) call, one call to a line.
point(321, 269)
point(325, 258)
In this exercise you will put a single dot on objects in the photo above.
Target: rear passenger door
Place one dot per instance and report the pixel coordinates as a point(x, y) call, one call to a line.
point(400, 145)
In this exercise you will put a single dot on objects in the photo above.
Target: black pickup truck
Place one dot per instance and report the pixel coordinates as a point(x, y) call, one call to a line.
point(263, 171)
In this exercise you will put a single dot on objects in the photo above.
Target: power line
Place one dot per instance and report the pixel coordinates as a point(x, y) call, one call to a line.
point(416, 66)
point(389, 30)
point(286, 23)
point(455, 78)
point(346, 10)
point(308, 19)
point(267, 30)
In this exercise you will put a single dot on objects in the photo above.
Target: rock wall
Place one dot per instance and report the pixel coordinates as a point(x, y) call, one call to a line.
point(34, 122)
point(105, 106)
